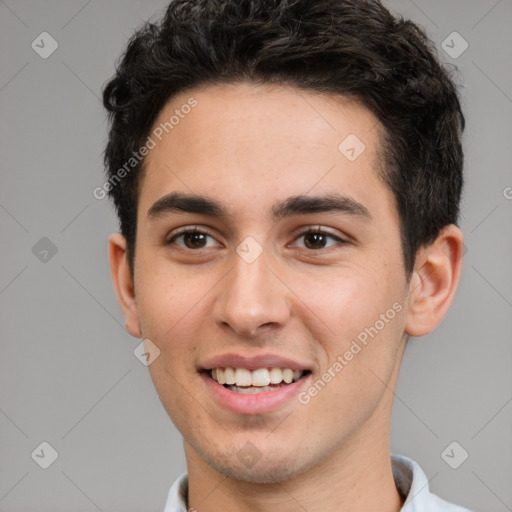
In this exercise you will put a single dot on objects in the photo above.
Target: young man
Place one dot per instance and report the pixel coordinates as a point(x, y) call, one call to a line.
point(287, 176)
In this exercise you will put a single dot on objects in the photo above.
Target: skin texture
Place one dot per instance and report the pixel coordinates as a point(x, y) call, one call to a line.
point(249, 146)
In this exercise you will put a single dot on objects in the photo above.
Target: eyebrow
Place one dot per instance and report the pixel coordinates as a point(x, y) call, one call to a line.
point(176, 202)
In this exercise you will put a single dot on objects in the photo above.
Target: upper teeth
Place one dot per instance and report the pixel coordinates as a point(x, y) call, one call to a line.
point(259, 377)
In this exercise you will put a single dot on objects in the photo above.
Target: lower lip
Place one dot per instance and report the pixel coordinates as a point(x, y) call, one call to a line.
point(257, 403)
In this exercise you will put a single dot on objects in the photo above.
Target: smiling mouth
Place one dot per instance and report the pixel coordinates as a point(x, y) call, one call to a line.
point(262, 380)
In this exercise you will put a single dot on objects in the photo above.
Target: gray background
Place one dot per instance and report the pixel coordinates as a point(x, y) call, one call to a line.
point(68, 375)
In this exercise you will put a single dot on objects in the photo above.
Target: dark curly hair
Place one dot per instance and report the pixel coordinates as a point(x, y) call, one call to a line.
point(355, 48)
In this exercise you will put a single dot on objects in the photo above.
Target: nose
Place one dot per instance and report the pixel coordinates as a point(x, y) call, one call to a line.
point(253, 298)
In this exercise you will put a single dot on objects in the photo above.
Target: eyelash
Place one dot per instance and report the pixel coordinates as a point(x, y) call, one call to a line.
point(304, 233)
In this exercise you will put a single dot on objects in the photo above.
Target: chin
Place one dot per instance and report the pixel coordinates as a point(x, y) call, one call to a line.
point(259, 474)
point(268, 469)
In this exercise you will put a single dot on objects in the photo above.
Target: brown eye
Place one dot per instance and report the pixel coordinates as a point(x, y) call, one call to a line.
point(192, 239)
point(317, 239)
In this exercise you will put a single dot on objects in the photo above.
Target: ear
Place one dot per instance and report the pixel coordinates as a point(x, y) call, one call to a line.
point(123, 283)
point(434, 281)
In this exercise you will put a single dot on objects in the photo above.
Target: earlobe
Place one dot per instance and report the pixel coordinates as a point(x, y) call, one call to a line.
point(122, 280)
point(434, 281)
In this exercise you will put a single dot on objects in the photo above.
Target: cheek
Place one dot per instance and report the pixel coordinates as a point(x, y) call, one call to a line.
point(356, 377)
point(174, 310)
point(341, 304)
point(358, 323)
point(164, 297)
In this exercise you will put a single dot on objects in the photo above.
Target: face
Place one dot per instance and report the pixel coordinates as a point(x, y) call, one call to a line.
point(293, 263)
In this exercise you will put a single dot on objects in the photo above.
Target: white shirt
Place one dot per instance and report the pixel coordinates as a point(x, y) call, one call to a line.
point(410, 481)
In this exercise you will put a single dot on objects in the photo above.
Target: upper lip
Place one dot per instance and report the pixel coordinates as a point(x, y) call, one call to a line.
point(233, 360)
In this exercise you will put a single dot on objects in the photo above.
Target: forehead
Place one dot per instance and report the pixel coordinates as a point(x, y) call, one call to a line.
point(250, 144)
